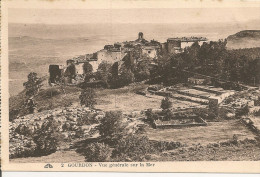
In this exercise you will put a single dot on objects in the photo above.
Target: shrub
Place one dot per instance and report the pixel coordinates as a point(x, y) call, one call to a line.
point(243, 111)
point(165, 146)
point(47, 137)
point(88, 97)
point(151, 117)
point(166, 103)
point(168, 115)
point(97, 152)
point(33, 85)
point(132, 148)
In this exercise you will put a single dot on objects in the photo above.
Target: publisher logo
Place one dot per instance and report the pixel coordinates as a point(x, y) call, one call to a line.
point(48, 166)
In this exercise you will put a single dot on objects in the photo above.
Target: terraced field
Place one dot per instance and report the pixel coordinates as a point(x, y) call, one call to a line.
point(212, 133)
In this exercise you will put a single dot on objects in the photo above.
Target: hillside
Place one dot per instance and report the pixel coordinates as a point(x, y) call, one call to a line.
point(51, 98)
point(244, 39)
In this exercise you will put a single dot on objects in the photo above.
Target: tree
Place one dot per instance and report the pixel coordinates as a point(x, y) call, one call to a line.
point(166, 103)
point(47, 137)
point(104, 72)
point(125, 78)
point(112, 126)
point(97, 152)
point(33, 85)
point(88, 97)
point(142, 70)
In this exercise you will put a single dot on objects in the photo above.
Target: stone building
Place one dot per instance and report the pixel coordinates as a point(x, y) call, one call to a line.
point(177, 45)
point(56, 72)
point(150, 51)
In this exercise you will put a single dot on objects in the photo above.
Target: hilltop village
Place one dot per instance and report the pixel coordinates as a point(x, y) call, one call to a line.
point(116, 54)
point(182, 100)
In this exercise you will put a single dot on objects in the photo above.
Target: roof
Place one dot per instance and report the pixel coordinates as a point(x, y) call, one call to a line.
point(188, 39)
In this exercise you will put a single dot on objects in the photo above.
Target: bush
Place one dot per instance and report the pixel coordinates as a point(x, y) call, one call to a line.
point(112, 127)
point(166, 103)
point(97, 152)
point(165, 146)
point(46, 138)
point(168, 115)
point(151, 117)
point(132, 148)
point(88, 97)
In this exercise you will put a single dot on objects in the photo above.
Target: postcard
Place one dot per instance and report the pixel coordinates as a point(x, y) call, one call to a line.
point(130, 86)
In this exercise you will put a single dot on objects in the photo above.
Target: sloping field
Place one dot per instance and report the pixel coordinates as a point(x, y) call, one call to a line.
point(128, 102)
point(212, 133)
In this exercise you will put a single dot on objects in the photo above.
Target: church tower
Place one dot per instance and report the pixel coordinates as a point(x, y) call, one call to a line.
point(140, 36)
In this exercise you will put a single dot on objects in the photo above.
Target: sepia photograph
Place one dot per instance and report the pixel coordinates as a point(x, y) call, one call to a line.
point(108, 84)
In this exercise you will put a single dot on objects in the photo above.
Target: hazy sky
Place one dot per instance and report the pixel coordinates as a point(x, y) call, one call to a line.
point(134, 15)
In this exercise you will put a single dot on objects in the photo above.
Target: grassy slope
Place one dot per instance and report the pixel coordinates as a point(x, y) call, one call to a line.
point(105, 98)
point(44, 101)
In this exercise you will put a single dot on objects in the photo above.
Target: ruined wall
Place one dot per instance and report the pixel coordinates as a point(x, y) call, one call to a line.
point(79, 68)
point(94, 65)
point(56, 72)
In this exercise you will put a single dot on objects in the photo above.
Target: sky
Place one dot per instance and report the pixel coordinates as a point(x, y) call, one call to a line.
point(133, 15)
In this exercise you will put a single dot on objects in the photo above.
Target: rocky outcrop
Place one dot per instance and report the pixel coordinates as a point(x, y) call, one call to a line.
point(70, 122)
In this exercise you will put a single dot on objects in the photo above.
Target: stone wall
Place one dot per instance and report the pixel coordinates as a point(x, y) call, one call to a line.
point(109, 56)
